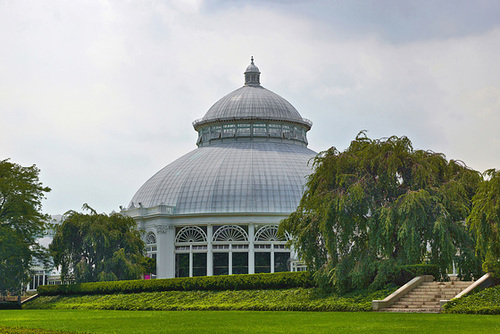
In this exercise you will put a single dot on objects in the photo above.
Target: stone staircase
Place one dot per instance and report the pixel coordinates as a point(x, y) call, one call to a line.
point(427, 296)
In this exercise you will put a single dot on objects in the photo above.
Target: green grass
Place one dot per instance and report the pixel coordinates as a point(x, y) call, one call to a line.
point(123, 322)
point(297, 299)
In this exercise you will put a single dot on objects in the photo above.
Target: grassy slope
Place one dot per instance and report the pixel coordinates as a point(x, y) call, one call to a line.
point(297, 299)
point(125, 322)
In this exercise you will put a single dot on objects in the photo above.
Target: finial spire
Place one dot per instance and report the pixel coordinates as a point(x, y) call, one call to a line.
point(252, 74)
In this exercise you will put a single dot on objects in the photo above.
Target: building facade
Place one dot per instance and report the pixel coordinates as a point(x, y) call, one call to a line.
point(216, 210)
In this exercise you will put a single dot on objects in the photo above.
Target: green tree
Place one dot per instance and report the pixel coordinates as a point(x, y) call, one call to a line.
point(97, 247)
point(380, 204)
point(484, 221)
point(21, 223)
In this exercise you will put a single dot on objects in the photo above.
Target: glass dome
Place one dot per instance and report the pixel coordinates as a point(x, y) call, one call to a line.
point(252, 157)
point(239, 177)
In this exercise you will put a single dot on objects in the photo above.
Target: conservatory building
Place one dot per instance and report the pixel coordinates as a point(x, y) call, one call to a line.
point(216, 210)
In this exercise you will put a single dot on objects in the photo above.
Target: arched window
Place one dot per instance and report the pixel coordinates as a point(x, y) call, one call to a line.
point(230, 233)
point(191, 234)
point(268, 233)
point(271, 253)
point(191, 252)
point(150, 238)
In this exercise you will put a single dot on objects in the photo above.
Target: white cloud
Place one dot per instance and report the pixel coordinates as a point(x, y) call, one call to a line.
point(102, 94)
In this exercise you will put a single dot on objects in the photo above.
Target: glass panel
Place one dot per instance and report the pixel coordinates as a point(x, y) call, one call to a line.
point(228, 130)
point(221, 263)
point(181, 265)
point(303, 134)
point(281, 262)
point(206, 134)
point(287, 131)
point(240, 263)
point(200, 264)
point(275, 130)
point(259, 130)
point(262, 262)
point(243, 130)
point(154, 258)
point(216, 131)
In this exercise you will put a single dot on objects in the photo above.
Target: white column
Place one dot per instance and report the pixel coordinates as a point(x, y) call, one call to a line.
point(210, 258)
point(190, 260)
point(165, 258)
point(251, 251)
point(230, 264)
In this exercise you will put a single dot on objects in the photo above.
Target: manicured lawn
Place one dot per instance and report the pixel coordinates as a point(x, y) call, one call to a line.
point(97, 321)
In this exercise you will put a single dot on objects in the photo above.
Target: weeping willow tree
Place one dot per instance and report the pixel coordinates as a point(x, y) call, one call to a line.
point(380, 204)
point(484, 221)
point(97, 247)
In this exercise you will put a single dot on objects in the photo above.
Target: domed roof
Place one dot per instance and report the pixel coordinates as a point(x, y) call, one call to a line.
point(252, 67)
point(237, 177)
point(239, 167)
point(252, 102)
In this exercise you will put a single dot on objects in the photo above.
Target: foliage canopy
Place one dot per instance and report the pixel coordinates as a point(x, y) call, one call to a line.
point(380, 204)
point(484, 221)
point(97, 247)
point(21, 223)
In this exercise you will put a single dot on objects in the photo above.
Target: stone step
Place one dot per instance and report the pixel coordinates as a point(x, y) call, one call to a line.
point(413, 307)
point(427, 296)
point(410, 310)
point(420, 298)
point(419, 289)
point(436, 292)
point(431, 302)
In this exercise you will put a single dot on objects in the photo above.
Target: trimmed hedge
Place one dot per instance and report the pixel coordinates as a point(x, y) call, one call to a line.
point(23, 330)
point(284, 280)
point(10, 306)
point(404, 274)
point(486, 301)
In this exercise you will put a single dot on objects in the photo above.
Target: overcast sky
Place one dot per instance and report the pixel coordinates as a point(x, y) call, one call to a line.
point(100, 95)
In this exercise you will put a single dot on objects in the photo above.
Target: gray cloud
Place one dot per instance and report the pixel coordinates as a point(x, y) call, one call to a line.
point(101, 95)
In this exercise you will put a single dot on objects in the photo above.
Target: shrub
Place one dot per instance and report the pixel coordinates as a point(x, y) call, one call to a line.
point(224, 282)
point(406, 273)
point(389, 272)
point(485, 301)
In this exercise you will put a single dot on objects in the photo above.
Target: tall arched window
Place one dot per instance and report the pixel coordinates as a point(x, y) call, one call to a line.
point(271, 253)
point(151, 246)
point(191, 252)
point(230, 250)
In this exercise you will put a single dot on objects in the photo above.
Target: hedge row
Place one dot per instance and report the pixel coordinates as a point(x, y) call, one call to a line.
point(23, 330)
point(295, 299)
point(9, 306)
point(283, 280)
point(486, 301)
